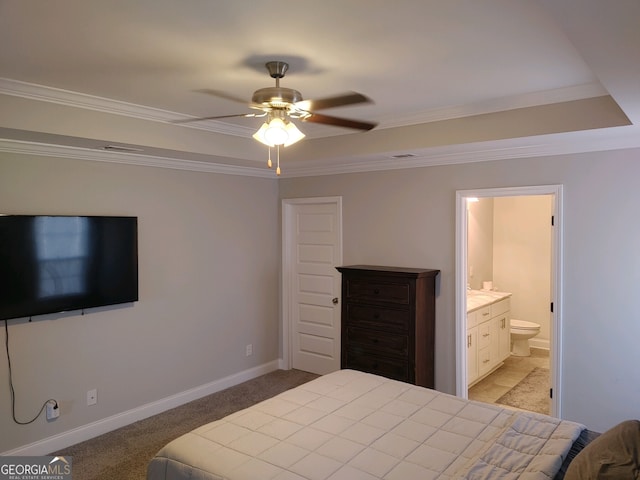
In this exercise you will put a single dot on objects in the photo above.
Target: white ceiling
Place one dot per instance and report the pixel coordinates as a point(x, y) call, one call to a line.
point(451, 81)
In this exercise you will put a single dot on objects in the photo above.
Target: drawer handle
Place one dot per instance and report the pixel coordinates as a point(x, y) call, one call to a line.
point(375, 340)
point(376, 291)
point(485, 361)
point(486, 334)
point(376, 316)
point(485, 314)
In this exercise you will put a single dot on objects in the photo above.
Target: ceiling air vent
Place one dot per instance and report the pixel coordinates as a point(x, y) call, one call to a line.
point(120, 148)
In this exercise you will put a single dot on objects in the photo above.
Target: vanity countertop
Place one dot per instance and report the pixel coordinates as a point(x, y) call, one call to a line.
point(481, 298)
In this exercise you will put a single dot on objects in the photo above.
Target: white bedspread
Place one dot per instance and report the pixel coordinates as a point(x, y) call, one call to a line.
point(350, 425)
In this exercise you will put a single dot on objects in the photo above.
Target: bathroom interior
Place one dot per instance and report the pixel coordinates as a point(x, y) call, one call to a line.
point(509, 275)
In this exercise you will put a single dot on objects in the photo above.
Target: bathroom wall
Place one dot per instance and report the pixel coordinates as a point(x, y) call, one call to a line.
point(522, 258)
point(509, 242)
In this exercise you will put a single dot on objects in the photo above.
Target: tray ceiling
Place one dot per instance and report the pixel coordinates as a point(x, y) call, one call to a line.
point(450, 81)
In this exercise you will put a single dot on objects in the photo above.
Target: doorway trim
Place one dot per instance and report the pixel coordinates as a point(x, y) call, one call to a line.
point(555, 347)
point(288, 258)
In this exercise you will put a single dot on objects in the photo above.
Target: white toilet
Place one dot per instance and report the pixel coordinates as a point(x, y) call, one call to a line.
point(521, 332)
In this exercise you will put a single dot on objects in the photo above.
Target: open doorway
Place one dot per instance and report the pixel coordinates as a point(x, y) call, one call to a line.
point(508, 267)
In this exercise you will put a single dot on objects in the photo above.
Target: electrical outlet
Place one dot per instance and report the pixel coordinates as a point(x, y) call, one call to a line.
point(92, 397)
point(249, 350)
point(53, 411)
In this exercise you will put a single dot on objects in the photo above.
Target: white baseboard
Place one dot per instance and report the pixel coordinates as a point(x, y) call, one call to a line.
point(539, 343)
point(94, 429)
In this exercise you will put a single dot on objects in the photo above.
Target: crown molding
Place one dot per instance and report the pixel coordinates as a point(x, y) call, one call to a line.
point(557, 144)
point(616, 138)
point(62, 151)
point(68, 98)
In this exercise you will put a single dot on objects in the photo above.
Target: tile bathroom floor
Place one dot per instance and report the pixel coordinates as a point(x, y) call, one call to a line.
point(508, 376)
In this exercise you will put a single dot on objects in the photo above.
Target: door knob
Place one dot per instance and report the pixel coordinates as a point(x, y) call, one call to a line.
point(334, 300)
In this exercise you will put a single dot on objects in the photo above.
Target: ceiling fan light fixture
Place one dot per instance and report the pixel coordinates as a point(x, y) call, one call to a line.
point(278, 132)
point(295, 135)
point(259, 135)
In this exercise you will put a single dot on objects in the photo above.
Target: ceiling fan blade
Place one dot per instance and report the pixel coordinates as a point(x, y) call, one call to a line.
point(340, 122)
point(349, 98)
point(218, 93)
point(200, 119)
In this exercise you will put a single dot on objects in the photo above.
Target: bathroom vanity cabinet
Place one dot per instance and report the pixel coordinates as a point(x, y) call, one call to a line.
point(488, 333)
point(388, 322)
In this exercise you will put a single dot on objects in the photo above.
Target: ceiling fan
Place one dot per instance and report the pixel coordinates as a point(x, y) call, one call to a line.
point(279, 105)
point(290, 103)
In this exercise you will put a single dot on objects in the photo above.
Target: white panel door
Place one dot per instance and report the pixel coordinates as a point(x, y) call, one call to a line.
point(315, 251)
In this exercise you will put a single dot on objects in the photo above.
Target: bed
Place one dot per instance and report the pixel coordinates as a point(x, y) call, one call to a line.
point(350, 425)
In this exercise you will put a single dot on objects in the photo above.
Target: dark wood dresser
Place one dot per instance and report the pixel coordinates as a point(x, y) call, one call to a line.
point(388, 322)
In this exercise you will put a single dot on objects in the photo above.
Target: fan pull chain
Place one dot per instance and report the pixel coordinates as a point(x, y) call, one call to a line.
point(278, 160)
point(269, 164)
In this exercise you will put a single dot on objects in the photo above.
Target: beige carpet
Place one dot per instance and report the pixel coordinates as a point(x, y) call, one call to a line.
point(531, 393)
point(124, 453)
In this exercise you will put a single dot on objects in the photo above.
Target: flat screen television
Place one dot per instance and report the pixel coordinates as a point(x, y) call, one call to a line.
point(52, 264)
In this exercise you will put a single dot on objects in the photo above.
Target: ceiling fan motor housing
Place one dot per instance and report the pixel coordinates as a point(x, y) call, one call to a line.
point(274, 96)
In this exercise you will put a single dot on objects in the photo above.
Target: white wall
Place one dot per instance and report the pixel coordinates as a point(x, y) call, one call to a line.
point(407, 217)
point(209, 263)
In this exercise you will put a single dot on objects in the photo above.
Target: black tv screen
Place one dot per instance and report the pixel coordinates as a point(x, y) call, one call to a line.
point(54, 264)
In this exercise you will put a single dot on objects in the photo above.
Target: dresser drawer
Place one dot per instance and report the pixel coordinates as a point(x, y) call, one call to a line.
point(358, 359)
point(369, 316)
point(373, 291)
point(379, 342)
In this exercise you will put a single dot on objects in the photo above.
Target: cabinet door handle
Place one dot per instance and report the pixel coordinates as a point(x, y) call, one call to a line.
point(485, 314)
point(334, 300)
point(486, 334)
point(468, 341)
point(376, 291)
